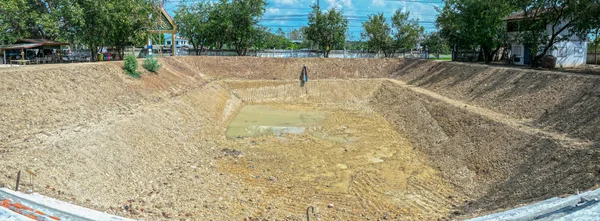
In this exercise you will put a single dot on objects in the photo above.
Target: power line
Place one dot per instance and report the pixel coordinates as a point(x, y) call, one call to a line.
point(356, 16)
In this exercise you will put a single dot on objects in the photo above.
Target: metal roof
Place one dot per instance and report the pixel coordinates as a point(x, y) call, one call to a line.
point(44, 42)
point(31, 43)
point(19, 46)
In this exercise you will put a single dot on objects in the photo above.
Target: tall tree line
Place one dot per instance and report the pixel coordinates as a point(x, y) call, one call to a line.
point(401, 33)
point(95, 24)
point(220, 23)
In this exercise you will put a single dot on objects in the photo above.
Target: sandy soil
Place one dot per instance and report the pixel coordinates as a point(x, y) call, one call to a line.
point(376, 175)
point(468, 140)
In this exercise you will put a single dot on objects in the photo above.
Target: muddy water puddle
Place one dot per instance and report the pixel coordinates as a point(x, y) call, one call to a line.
point(259, 120)
point(265, 120)
point(355, 161)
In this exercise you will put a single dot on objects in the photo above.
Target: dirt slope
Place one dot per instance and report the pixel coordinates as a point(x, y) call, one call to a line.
point(101, 139)
point(554, 101)
point(288, 68)
point(495, 163)
point(41, 100)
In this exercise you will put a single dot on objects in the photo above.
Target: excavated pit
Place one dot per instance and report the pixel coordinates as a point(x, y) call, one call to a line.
point(199, 145)
point(324, 144)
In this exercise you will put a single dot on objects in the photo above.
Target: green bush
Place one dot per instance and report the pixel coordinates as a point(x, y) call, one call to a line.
point(151, 64)
point(131, 66)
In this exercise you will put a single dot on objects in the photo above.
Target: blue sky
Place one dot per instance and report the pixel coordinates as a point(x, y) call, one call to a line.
point(291, 14)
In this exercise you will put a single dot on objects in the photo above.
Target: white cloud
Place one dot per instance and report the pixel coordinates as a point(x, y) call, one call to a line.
point(331, 3)
point(346, 3)
point(273, 11)
point(286, 2)
point(340, 4)
point(378, 3)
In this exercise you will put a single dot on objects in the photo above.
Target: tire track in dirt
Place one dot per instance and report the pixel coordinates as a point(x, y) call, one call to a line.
point(363, 186)
point(422, 199)
point(427, 198)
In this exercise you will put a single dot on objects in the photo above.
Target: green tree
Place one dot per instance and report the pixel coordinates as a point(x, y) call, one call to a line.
point(356, 45)
point(10, 27)
point(193, 24)
point(42, 19)
point(470, 23)
point(379, 34)
point(280, 32)
point(327, 30)
point(245, 14)
point(449, 25)
point(296, 34)
point(407, 31)
point(128, 24)
point(93, 27)
point(220, 24)
point(435, 44)
point(97, 24)
point(276, 41)
point(94, 24)
point(545, 23)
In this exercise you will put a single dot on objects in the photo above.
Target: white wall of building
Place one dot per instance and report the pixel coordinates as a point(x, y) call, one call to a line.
point(569, 53)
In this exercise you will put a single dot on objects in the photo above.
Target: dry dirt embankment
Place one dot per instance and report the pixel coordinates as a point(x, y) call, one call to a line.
point(104, 140)
point(98, 138)
point(498, 165)
point(252, 68)
point(101, 139)
point(556, 101)
point(562, 107)
point(37, 101)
